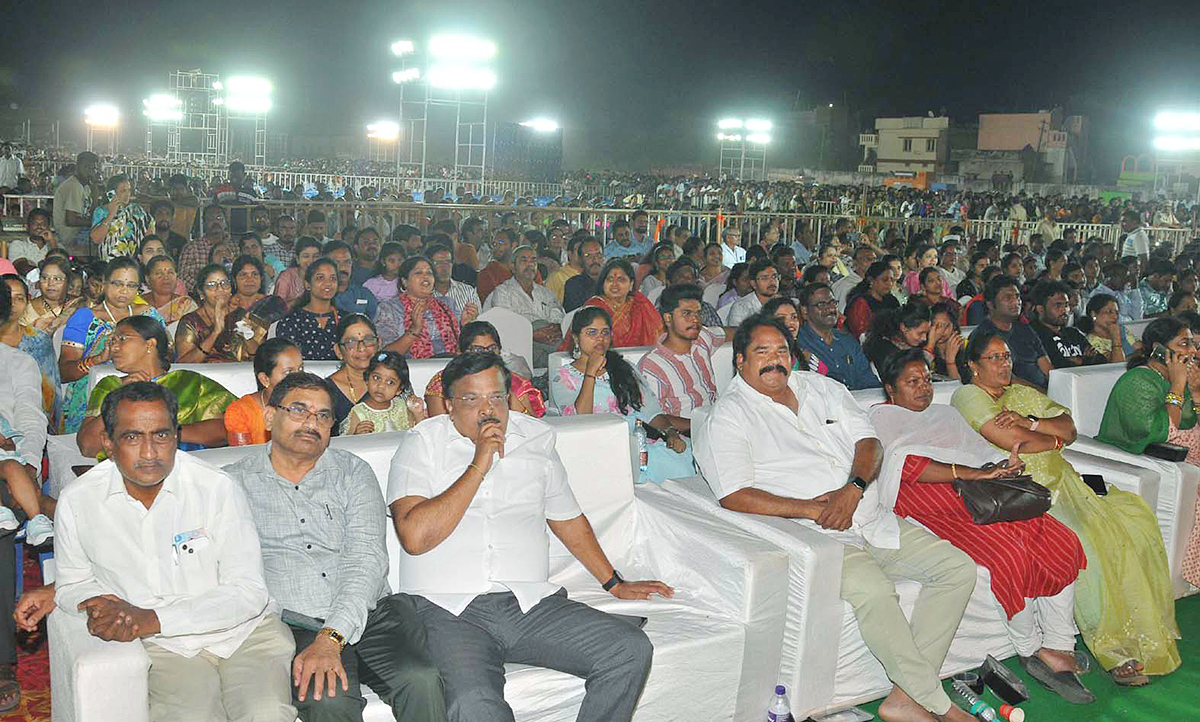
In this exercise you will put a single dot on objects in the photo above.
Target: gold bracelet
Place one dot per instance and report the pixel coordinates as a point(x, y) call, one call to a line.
point(1174, 399)
point(954, 470)
point(476, 468)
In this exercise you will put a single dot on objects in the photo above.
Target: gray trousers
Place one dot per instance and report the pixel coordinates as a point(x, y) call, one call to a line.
point(470, 649)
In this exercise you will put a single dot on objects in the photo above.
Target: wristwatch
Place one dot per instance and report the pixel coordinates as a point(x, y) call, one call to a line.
point(335, 635)
point(861, 483)
point(1033, 422)
point(616, 579)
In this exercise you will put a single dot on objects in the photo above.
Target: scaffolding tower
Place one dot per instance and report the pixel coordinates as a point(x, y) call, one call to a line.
point(417, 99)
point(197, 137)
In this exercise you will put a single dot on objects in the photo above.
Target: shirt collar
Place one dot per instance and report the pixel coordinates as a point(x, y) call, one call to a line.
point(324, 463)
point(795, 382)
point(116, 482)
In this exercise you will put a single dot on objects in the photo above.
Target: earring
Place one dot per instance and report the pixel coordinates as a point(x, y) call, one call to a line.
point(575, 352)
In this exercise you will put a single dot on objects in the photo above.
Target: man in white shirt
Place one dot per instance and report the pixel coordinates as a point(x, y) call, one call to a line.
point(471, 493)
point(764, 285)
point(523, 295)
point(796, 445)
point(679, 368)
point(155, 545)
point(864, 256)
point(11, 167)
point(40, 239)
point(948, 263)
point(731, 247)
point(1137, 242)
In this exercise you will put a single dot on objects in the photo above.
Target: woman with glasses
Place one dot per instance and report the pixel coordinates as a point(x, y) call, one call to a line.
point(206, 334)
point(415, 324)
point(356, 342)
point(51, 309)
point(138, 346)
point(600, 381)
point(166, 290)
point(244, 422)
point(482, 337)
point(85, 337)
point(1124, 601)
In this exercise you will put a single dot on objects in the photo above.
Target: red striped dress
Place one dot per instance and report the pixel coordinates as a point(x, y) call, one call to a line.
point(1033, 558)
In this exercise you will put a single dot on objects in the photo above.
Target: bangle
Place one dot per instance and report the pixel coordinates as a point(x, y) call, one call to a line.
point(476, 468)
point(590, 376)
point(954, 470)
point(1058, 443)
point(1174, 399)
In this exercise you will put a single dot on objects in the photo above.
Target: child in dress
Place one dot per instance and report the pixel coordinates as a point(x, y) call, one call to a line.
point(390, 404)
point(23, 489)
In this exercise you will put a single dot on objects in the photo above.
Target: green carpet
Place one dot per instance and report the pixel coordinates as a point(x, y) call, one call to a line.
point(1165, 699)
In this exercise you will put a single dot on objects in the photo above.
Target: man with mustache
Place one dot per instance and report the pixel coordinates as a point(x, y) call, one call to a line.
point(471, 494)
point(764, 285)
point(580, 288)
point(351, 297)
point(821, 337)
point(323, 523)
point(155, 545)
point(796, 445)
point(679, 367)
point(522, 294)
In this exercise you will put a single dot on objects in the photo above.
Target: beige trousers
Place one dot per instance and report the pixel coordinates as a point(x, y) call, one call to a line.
point(252, 685)
point(911, 652)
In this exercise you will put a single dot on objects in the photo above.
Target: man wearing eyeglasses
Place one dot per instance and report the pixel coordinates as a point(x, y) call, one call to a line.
point(582, 287)
point(322, 522)
point(764, 285)
point(471, 494)
point(821, 337)
point(158, 546)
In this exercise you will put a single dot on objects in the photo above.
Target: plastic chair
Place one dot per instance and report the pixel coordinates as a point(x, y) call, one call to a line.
point(516, 333)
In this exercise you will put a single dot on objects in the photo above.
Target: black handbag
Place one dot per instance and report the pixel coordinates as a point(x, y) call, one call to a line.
point(1013, 499)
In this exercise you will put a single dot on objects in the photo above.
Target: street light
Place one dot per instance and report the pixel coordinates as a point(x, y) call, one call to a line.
point(729, 123)
point(744, 154)
point(759, 138)
point(407, 75)
point(102, 115)
point(541, 125)
point(162, 108)
point(248, 94)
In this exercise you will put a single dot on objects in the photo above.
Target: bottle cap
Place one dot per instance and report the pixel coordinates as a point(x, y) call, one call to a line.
point(1012, 714)
point(780, 689)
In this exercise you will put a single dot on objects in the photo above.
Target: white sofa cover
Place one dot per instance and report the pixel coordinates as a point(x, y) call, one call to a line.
point(717, 643)
point(825, 664)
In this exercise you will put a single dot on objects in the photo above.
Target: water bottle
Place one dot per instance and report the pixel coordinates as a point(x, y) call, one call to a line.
point(780, 710)
point(643, 449)
point(974, 704)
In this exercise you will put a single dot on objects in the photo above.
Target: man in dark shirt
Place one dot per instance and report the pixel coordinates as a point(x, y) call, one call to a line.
point(1031, 366)
point(582, 287)
point(1065, 346)
point(837, 349)
point(237, 191)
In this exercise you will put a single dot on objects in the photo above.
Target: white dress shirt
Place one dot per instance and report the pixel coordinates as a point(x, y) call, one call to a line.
point(539, 305)
point(747, 441)
point(501, 541)
point(744, 308)
point(27, 249)
point(21, 402)
point(209, 593)
point(11, 169)
point(730, 256)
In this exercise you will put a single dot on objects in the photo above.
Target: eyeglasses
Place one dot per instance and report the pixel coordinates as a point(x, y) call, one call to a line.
point(597, 332)
point(1002, 357)
point(120, 338)
point(213, 285)
point(824, 304)
point(592, 256)
point(360, 343)
point(132, 286)
point(483, 349)
point(54, 279)
point(134, 439)
point(767, 278)
point(301, 414)
point(500, 398)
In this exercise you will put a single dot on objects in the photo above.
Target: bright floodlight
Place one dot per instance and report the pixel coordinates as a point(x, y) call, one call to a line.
point(384, 130)
point(461, 48)
point(1177, 143)
point(758, 125)
point(248, 95)
point(161, 108)
point(759, 138)
point(1170, 122)
point(406, 75)
point(541, 125)
point(726, 136)
point(729, 123)
point(217, 85)
point(402, 47)
point(458, 77)
point(102, 115)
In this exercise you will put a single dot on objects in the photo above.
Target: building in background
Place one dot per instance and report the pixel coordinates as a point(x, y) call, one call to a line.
point(914, 150)
point(1059, 145)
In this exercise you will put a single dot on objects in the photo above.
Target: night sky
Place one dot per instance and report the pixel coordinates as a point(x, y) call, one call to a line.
point(633, 83)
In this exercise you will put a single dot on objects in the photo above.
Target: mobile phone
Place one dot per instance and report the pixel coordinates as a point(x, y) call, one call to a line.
point(1159, 353)
point(301, 621)
point(653, 434)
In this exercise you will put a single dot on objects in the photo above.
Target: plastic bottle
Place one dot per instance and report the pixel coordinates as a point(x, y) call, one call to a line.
point(780, 710)
point(643, 449)
point(974, 704)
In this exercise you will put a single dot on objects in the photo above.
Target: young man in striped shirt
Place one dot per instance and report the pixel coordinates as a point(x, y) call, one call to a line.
point(679, 368)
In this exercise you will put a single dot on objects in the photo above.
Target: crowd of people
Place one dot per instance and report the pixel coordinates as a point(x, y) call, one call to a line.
point(809, 319)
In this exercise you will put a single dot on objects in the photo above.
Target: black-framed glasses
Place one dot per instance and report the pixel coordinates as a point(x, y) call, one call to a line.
point(358, 343)
point(300, 414)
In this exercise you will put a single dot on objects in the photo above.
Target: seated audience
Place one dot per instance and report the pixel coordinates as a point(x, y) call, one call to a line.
point(579, 288)
point(416, 324)
point(207, 334)
point(389, 404)
point(657, 261)
point(28, 252)
point(51, 307)
point(787, 310)
point(635, 321)
point(357, 343)
point(35, 342)
point(1103, 330)
point(946, 341)
point(310, 324)
point(1065, 345)
point(872, 295)
point(931, 290)
point(244, 423)
point(1130, 306)
point(764, 285)
point(140, 351)
point(797, 445)
point(350, 298)
point(836, 349)
point(1030, 364)
point(289, 285)
point(713, 270)
point(1124, 605)
point(679, 368)
point(601, 381)
point(459, 297)
point(250, 245)
point(216, 648)
point(164, 290)
point(683, 273)
point(1155, 288)
point(482, 337)
point(1181, 301)
point(1032, 564)
point(250, 285)
point(737, 284)
point(894, 331)
point(499, 269)
point(366, 255)
point(468, 607)
point(523, 295)
point(85, 337)
point(572, 267)
point(385, 281)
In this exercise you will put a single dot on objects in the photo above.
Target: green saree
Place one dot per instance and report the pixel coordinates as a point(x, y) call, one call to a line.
point(1135, 415)
point(200, 398)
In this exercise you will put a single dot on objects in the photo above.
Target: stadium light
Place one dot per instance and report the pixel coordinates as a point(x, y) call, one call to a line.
point(161, 108)
point(248, 94)
point(729, 123)
point(460, 77)
point(461, 48)
point(759, 138)
point(758, 125)
point(403, 47)
point(218, 85)
point(541, 125)
point(406, 75)
point(1177, 143)
point(1171, 122)
point(102, 115)
point(387, 130)
point(725, 136)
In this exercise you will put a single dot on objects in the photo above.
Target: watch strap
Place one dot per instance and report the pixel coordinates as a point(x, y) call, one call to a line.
point(614, 581)
point(860, 482)
point(335, 635)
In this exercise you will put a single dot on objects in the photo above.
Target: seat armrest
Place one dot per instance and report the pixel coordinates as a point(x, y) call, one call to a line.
point(92, 680)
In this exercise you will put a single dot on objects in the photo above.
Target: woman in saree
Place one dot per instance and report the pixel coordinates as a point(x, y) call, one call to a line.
point(35, 342)
point(85, 337)
point(1153, 402)
point(416, 324)
point(119, 226)
point(482, 337)
point(635, 321)
point(206, 334)
point(1032, 563)
point(244, 421)
point(1124, 602)
point(139, 351)
point(165, 290)
point(52, 307)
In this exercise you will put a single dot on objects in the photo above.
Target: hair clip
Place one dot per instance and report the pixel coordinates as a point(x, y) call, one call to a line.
point(382, 355)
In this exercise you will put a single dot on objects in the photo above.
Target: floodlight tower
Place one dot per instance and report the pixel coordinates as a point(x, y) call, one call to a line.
point(1177, 150)
point(195, 138)
point(103, 118)
point(743, 148)
point(246, 98)
point(382, 139)
point(160, 109)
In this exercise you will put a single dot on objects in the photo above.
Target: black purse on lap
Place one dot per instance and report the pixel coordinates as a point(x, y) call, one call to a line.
point(1013, 499)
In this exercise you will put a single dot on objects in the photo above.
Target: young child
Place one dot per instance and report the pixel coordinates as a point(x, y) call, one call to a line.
point(390, 404)
point(23, 489)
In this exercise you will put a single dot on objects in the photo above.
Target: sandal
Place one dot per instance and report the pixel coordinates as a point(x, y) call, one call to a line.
point(10, 689)
point(1132, 676)
point(1065, 684)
